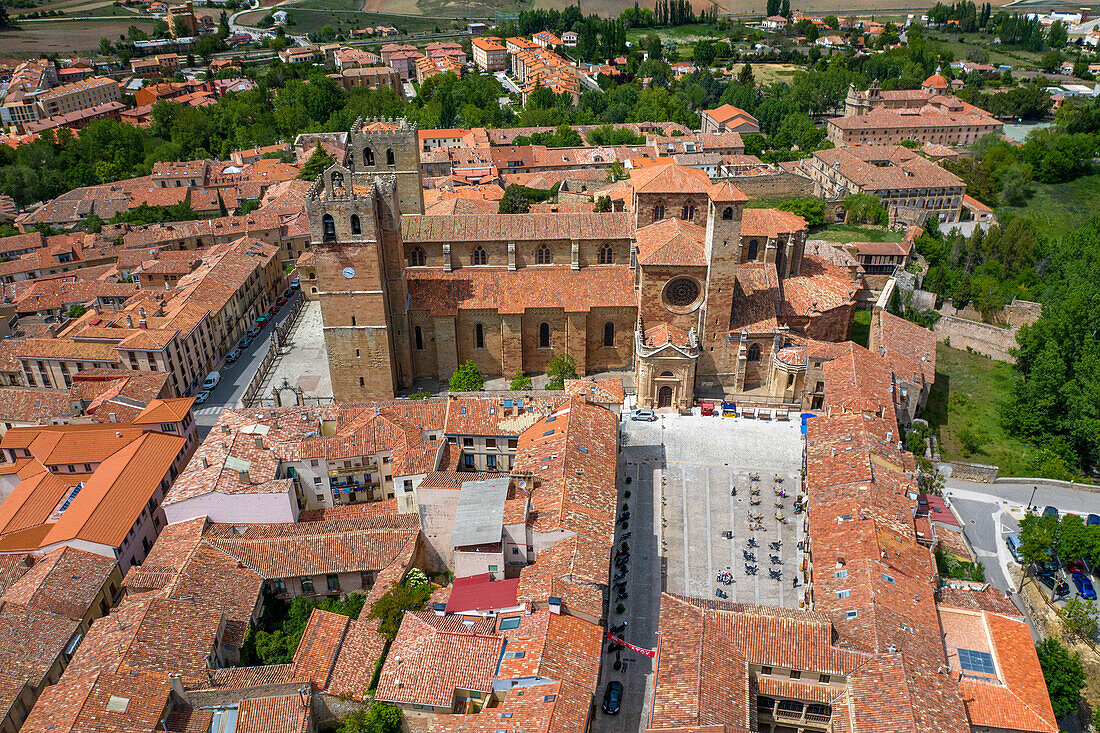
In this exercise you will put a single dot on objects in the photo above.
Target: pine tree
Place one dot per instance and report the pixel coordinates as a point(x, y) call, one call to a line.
point(786, 9)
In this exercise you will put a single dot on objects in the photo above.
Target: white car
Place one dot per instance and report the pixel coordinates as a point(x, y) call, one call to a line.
point(202, 397)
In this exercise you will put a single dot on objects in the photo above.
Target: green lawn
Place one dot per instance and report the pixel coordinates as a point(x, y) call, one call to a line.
point(1057, 208)
point(855, 233)
point(861, 327)
point(964, 409)
point(962, 46)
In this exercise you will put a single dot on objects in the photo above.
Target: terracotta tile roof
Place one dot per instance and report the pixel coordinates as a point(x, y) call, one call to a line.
point(12, 568)
point(33, 405)
point(32, 640)
point(670, 178)
point(910, 349)
point(602, 391)
point(860, 382)
point(672, 242)
point(756, 299)
point(728, 112)
point(665, 334)
point(165, 411)
point(101, 703)
point(771, 223)
point(818, 288)
point(65, 582)
point(425, 665)
point(152, 634)
point(726, 192)
point(284, 714)
point(239, 678)
point(318, 648)
point(516, 227)
point(548, 286)
point(887, 167)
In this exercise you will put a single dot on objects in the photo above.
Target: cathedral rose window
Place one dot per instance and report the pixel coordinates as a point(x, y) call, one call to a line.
point(681, 292)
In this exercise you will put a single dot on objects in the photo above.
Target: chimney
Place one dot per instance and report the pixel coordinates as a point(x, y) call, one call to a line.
point(243, 475)
point(205, 462)
point(112, 416)
point(440, 609)
point(555, 604)
point(259, 441)
point(129, 321)
point(177, 685)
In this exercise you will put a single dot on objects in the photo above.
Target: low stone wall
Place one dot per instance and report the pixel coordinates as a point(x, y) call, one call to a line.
point(772, 185)
point(1048, 482)
point(985, 338)
point(974, 472)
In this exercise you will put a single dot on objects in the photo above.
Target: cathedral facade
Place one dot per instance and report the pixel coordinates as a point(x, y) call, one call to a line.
point(690, 289)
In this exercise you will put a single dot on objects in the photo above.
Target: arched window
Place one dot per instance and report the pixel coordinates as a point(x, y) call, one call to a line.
point(390, 160)
point(754, 352)
point(353, 320)
point(659, 211)
point(355, 228)
point(418, 335)
point(368, 157)
point(607, 255)
point(667, 373)
point(544, 335)
point(544, 256)
point(416, 257)
point(688, 212)
point(727, 213)
point(480, 257)
point(609, 334)
point(754, 249)
point(479, 336)
point(337, 180)
point(328, 228)
point(360, 381)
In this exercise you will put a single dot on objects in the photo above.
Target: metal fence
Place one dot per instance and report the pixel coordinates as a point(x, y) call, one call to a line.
point(279, 338)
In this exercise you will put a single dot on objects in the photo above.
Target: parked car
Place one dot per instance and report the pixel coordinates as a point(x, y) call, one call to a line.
point(245, 343)
point(202, 397)
point(1051, 512)
point(295, 283)
point(1057, 585)
point(1093, 520)
point(707, 409)
point(282, 300)
point(273, 309)
point(1013, 542)
point(211, 380)
point(1084, 586)
point(263, 320)
point(255, 331)
point(1075, 566)
point(643, 415)
point(232, 356)
point(287, 293)
point(613, 697)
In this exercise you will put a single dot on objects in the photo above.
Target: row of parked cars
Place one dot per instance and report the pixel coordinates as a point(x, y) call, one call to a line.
point(1049, 573)
point(214, 378)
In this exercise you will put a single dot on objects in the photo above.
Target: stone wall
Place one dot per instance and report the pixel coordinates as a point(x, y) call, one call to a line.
point(777, 184)
point(984, 338)
point(973, 472)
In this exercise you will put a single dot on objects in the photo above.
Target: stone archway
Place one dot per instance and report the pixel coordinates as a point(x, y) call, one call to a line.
point(664, 397)
point(298, 392)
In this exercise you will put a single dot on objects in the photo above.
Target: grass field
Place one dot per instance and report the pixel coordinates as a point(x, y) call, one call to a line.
point(313, 15)
point(962, 46)
point(964, 408)
point(1057, 208)
point(861, 327)
point(855, 233)
point(64, 36)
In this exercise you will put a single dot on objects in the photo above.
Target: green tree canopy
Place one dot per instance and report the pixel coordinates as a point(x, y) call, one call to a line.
point(467, 378)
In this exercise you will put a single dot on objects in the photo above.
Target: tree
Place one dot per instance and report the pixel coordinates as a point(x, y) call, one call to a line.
point(773, 7)
point(180, 28)
point(223, 25)
point(520, 381)
point(467, 378)
point(1057, 35)
point(380, 718)
point(389, 609)
point(1051, 60)
point(603, 204)
point(1038, 536)
point(832, 22)
point(864, 208)
point(744, 78)
point(560, 368)
point(93, 223)
point(105, 47)
point(318, 162)
point(1064, 675)
point(1079, 617)
point(785, 9)
point(76, 310)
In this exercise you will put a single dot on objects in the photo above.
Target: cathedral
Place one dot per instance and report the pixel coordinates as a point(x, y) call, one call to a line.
point(687, 288)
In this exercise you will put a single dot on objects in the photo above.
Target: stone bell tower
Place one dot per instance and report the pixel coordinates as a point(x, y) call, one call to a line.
point(355, 226)
point(390, 146)
point(725, 205)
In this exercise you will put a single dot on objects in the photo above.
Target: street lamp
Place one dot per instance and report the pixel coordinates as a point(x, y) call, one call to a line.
point(1033, 490)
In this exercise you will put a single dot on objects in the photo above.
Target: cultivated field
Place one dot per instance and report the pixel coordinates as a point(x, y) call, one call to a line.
point(58, 35)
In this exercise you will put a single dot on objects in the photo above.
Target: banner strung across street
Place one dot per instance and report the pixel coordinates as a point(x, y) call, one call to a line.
point(628, 645)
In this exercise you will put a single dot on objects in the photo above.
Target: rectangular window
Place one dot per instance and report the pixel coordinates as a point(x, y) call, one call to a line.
point(317, 480)
point(333, 581)
point(467, 442)
point(490, 442)
point(825, 679)
point(307, 586)
point(843, 593)
point(765, 670)
point(491, 462)
point(492, 568)
point(840, 574)
point(278, 586)
point(515, 550)
point(850, 614)
point(468, 461)
point(511, 622)
point(795, 674)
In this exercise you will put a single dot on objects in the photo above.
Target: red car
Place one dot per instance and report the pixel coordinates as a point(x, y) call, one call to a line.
point(1075, 567)
point(706, 408)
point(273, 309)
point(281, 301)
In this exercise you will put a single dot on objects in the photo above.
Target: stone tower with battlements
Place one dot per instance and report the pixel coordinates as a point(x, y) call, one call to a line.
point(389, 146)
point(355, 238)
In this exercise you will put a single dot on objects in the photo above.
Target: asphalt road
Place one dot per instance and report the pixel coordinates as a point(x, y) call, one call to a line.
point(989, 512)
point(236, 376)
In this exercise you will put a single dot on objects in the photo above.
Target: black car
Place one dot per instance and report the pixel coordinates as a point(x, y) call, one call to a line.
point(613, 697)
point(1058, 586)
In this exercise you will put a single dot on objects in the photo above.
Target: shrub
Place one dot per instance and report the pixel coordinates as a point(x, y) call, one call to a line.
point(467, 378)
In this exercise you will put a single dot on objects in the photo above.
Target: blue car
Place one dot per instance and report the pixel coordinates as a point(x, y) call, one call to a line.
point(1093, 520)
point(1084, 587)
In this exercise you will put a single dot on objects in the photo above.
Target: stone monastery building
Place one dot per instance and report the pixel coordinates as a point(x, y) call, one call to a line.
point(687, 286)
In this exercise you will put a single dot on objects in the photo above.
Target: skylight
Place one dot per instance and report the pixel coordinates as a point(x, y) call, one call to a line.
point(975, 661)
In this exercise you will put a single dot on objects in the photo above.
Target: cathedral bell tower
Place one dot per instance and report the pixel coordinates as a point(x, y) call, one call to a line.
point(726, 203)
